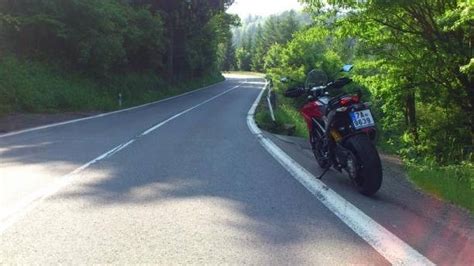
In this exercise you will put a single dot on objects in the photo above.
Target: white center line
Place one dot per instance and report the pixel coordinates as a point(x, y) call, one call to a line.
point(11, 215)
point(103, 114)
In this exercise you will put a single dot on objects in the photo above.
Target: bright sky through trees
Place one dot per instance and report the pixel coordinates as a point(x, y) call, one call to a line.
point(262, 7)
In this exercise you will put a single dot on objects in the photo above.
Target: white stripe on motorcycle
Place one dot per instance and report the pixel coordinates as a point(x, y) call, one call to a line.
point(383, 241)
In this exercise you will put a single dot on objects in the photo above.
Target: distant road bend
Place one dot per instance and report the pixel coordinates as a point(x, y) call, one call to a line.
point(179, 181)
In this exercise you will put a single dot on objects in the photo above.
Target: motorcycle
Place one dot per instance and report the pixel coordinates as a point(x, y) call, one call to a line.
point(341, 129)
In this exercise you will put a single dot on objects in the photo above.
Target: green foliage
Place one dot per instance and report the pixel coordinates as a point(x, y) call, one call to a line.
point(286, 114)
point(413, 58)
point(453, 183)
point(244, 59)
point(257, 35)
point(107, 37)
point(98, 37)
point(416, 59)
point(225, 49)
point(197, 34)
point(144, 40)
point(309, 49)
point(37, 87)
point(68, 54)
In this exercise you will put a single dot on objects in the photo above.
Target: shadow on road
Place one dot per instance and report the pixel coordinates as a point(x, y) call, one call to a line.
point(209, 169)
point(207, 174)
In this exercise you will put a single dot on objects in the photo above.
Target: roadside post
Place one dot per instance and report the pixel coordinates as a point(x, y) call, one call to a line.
point(271, 100)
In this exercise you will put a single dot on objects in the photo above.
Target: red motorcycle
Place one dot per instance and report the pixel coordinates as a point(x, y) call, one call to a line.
point(341, 129)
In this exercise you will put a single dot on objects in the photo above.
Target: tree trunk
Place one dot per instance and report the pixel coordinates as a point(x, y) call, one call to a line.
point(170, 61)
point(410, 105)
point(469, 87)
point(471, 114)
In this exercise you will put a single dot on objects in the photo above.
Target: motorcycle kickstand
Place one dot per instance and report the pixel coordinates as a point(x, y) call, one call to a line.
point(324, 173)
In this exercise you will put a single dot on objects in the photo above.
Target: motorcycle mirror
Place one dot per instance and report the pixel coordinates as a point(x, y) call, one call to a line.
point(347, 68)
point(284, 80)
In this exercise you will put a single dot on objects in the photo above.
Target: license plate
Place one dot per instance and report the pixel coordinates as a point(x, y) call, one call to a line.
point(362, 119)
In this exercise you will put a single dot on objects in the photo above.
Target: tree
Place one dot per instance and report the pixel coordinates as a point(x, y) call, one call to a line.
point(193, 29)
point(257, 35)
point(184, 39)
point(428, 44)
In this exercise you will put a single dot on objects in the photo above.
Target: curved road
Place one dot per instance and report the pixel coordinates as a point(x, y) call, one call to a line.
point(176, 182)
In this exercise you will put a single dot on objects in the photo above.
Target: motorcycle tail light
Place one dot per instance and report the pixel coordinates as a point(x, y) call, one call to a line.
point(345, 101)
point(348, 100)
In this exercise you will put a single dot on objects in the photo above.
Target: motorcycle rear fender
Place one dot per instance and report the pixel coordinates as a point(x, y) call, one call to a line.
point(371, 132)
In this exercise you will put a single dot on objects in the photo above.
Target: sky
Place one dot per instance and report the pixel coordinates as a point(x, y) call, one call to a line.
point(243, 8)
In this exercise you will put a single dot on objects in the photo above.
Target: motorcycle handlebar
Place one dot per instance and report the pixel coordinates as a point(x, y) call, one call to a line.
point(317, 91)
point(294, 92)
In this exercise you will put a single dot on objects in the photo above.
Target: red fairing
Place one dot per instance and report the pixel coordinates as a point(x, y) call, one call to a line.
point(310, 110)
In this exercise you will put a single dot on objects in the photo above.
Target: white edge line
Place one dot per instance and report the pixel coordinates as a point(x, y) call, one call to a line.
point(383, 241)
point(14, 133)
point(11, 215)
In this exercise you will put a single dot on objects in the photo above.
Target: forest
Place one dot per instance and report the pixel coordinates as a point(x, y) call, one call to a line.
point(68, 55)
point(414, 61)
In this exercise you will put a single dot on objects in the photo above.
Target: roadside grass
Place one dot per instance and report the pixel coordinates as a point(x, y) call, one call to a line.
point(33, 87)
point(138, 89)
point(452, 183)
point(285, 114)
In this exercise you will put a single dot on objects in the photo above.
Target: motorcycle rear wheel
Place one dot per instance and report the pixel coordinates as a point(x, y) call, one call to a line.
point(369, 172)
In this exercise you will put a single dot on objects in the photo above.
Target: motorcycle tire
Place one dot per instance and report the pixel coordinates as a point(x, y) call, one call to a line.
point(369, 173)
point(322, 162)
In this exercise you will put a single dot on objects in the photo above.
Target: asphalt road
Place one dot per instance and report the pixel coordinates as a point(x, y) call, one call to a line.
point(196, 188)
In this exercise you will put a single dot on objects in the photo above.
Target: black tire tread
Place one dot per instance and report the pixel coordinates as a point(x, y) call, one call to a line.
point(368, 157)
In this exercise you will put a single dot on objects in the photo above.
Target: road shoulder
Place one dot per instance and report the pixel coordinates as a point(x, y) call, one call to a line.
point(421, 220)
point(20, 121)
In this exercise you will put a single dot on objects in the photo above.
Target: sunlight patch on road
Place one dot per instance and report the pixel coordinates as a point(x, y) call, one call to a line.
point(21, 207)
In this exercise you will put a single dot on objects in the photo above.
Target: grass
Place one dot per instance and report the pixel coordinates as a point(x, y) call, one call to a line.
point(285, 114)
point(33, 87)
point(453, 183)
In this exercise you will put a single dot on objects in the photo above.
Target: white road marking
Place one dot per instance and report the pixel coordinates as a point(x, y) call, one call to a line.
point(383, 241)
point(186, 111)
point(11, 215)
point(101, 115)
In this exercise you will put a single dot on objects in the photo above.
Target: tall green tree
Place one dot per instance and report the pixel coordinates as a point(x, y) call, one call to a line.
point(95, 37)
point(193, 32)
point(257, 35)
point(419, 55)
